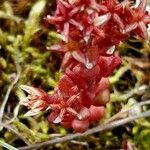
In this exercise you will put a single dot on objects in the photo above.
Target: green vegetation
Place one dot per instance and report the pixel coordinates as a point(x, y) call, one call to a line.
point(25, 59)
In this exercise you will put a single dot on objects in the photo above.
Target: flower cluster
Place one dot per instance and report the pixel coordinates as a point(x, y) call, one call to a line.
point(90, 32)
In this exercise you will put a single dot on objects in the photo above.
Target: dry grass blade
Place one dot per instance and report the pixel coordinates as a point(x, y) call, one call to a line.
point(105, 126)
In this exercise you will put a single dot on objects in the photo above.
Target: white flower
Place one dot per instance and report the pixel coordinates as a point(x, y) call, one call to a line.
point(36, 101)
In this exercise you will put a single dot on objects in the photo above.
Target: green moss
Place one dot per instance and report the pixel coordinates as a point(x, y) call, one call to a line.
point(23, 50)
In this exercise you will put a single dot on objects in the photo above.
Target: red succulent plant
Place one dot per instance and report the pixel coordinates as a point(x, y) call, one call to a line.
point(137, 20)
point(37, 100)
point(90, 31)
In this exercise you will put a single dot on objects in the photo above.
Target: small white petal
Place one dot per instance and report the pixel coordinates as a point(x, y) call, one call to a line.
point(111, 50)
point(66, 4)
point(53, 19)
point(130, 27)
point(84, 113)
point(79, 57)
point(48, 108)
point(74, 112)
point(86, 38)
point(57, 120)
point(102, 19)
point(137, 3)
point(55, 47)
point(65, 33)
point(89, 11)
point(32, 112)
point(72, 1)
point(75, 23)
point(37, 104)
point(24, 101)
point(82, 8)
point(29, 89)
point(89, 65)
point(74, 11)
point(143, 28)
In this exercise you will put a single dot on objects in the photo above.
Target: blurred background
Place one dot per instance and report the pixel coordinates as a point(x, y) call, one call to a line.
point(25, 59)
